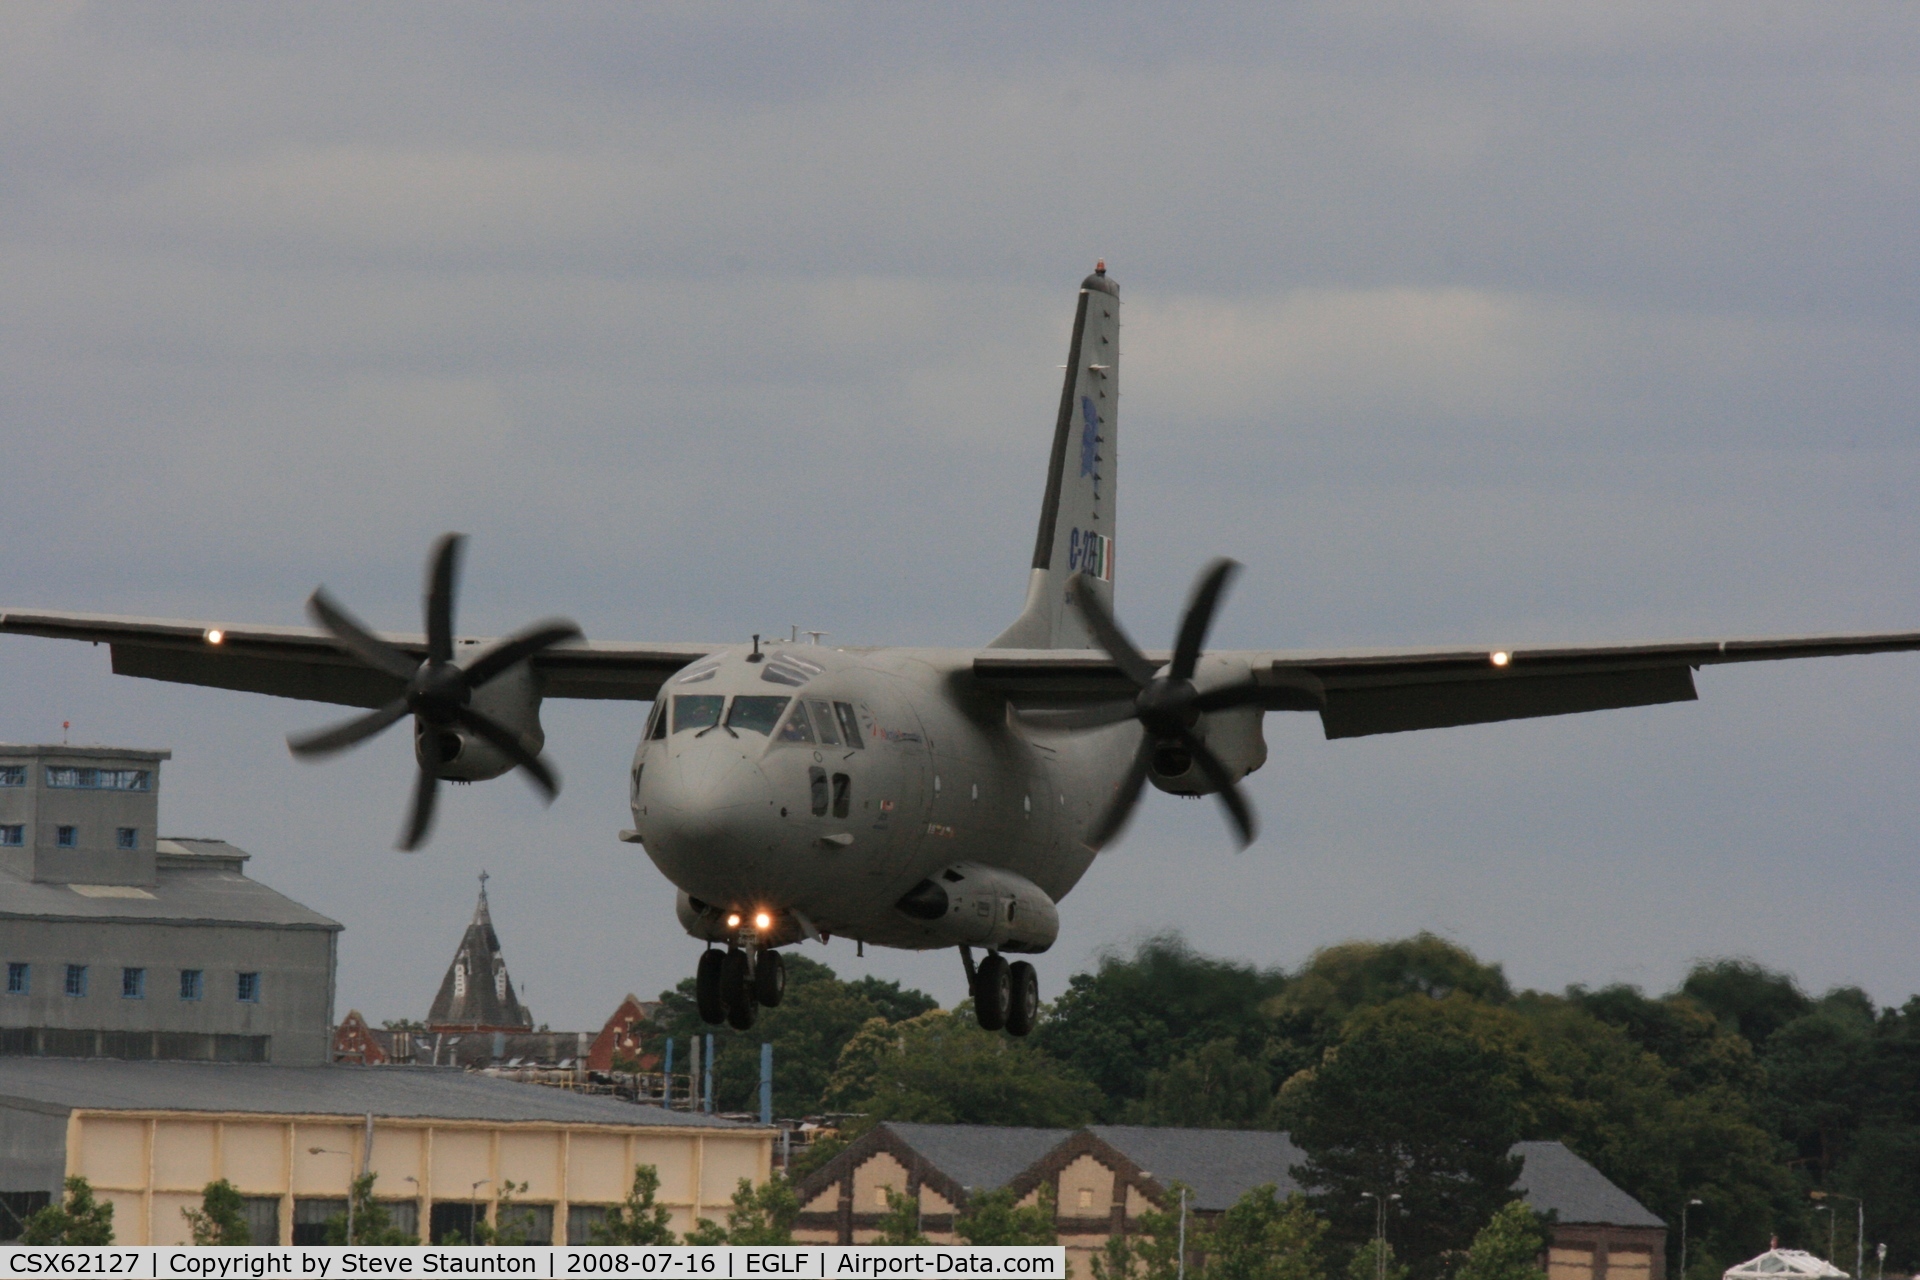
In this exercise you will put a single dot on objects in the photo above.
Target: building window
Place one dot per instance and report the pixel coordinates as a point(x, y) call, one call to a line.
point(66, 837)
point(100, 779)
point(189, 984)
point(133, 984)
point(126, 838)
point(13, 834)
point(77, 981)
point(247, 989)
point(13, 775)
point(19, 979)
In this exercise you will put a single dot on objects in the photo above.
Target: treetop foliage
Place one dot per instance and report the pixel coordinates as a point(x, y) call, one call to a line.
point(79, 1219)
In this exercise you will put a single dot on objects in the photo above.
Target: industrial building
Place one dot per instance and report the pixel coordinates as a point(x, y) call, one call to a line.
point(444, 1144)
point(118, 943)
point(1104, 1177)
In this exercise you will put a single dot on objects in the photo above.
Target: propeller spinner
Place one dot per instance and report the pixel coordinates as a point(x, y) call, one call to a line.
point(1168, 705)
point(438, 691)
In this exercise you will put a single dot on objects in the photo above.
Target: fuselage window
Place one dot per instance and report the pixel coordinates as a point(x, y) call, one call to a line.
point(757, 714)
point(797, 728)
point(823, 716)
point(842, 795)
point(657, 721)
point(696, 711)
point(849, 727)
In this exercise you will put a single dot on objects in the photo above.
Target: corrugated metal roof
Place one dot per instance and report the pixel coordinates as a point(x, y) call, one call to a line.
point(1555, 1178)
point(979, 1156)
point(216, 893)
point(394, 1092)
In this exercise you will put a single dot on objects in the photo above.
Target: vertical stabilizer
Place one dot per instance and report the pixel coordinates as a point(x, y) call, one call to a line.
point(1077, 510)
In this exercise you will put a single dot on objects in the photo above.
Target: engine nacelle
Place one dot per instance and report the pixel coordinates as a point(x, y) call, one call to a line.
point(511, 699)
point(984, 907)
point(1235, 736)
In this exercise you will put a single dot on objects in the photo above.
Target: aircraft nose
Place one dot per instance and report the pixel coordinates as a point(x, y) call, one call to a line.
point(702, 794)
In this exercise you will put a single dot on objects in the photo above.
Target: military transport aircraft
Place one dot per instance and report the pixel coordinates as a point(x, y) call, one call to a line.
point(915, 798)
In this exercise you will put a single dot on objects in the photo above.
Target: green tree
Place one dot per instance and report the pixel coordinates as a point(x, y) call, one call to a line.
point(1508, 1247)
point(1216, 1087)
point(759, 1215)
point(900, 1224)
point(992, 1217)
point(1421, 1097)
point(79, 1220)
point(372, 1222)
point(817, 1016)
point(1339, 981)
point(1261, 1237)
point(1746, 998)
point(1152, 1251)
point(1365, 1263)
point(637, 1219)
point(1136, 1015)
point(941, 1068)
point(221, 1217)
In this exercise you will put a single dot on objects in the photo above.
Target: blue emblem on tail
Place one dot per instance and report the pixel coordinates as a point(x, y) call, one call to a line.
point(1089, 435)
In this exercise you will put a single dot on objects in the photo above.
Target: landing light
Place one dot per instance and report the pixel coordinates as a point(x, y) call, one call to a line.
point(733, 921)
point(762, 921)
point(1502, 658)
point(215, 636)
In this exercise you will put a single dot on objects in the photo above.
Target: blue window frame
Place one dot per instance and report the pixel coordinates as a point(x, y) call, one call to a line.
point(13, 775)
point(190, 984)
point(247, 989)
point(19, 978)
point(14, 834)
point(66, 837)
point(133, 984)
point(126, 837)
point(77, 981)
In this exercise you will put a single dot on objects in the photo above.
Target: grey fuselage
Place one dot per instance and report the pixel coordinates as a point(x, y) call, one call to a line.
point(940, 779)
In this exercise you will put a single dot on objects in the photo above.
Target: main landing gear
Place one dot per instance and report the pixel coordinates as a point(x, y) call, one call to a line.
point(732, 986)
point(1004, 995)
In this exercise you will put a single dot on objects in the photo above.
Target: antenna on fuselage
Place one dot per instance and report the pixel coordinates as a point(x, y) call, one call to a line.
point(756, 655)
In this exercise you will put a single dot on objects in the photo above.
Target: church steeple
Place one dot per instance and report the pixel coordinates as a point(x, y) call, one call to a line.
point(477, 994)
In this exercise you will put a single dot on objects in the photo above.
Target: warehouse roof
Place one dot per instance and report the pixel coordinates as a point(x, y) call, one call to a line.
point(976, 1156)
point(198, 882)
point(395, 1092)
point(1219, 1165)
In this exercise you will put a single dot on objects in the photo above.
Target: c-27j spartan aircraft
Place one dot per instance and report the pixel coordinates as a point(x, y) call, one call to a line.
point(914, 798)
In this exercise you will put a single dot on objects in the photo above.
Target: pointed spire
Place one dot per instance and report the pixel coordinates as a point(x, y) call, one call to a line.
point(477, 994)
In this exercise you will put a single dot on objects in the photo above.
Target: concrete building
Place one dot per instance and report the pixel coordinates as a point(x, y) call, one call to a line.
point(149, 1136)
point(1104, 1177)
point(117, 943)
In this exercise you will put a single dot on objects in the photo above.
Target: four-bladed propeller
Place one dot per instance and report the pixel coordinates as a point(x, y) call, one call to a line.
point(1168, 706)
point(438, 692)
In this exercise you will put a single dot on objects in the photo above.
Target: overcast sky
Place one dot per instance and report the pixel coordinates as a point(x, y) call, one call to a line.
point(1479, 323)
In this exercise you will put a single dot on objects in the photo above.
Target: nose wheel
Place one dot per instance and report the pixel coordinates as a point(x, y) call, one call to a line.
point(1005, 996)
point(731, 986)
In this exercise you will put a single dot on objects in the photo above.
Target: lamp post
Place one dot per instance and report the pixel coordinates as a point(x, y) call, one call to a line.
point(1880, 1250)
point(1859, 1230)
point(329, 1151)
point(1183, 1233)
point(1379, 1231)
point(1828, 1210)
point(473, 1193)
point(1683, 1236)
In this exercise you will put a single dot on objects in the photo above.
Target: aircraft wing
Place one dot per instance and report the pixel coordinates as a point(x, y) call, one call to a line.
point(1365, 691)
point(306, 663)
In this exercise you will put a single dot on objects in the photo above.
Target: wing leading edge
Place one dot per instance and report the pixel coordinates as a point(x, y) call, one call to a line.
point(304, 663)
point(1361, 692)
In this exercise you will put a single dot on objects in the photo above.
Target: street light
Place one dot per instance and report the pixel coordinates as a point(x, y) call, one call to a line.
point(1828, 1210)
point(1859, 1230)
point(1881, 1250)
point(329, 1151)
point(1683, 1236)
point(1379, 1231)
point(473, 1193)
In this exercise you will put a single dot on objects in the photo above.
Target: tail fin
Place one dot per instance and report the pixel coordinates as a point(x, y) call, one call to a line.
point(1076, 512)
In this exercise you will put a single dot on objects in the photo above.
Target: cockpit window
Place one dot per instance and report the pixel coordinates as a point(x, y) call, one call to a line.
point(757, 714)
point(796, 728)
point(849, 727)
point(823, 716)
point(696, 711)
point(657, 720)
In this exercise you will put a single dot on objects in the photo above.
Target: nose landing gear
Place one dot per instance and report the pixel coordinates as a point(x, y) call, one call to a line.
point(731, 986)
point(1004, 995)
